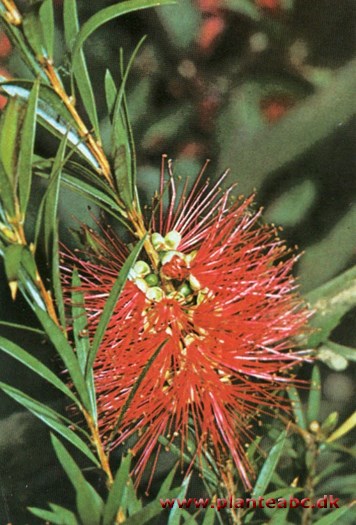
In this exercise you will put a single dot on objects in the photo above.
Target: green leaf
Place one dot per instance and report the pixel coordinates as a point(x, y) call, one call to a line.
point(244, 7)
point(334, 516)
point(81, 336)
point(131, 503)
point(269, 466)
point(107, 14)
point(51, 418)
point(343, 429)
point(71, 28)
point(58, 516)
point(35, 31)
point(279, 517)
point(56, 279)
point(10, 139)
point(123, 148)
point(292, 206)
point(181, 22)
point(175, 513)
point(34, 364)
point(110, 91)
point(151, 510)
point(167, 483)
point(261, 155)
point(51, 199)
point(52, 114)
point(209, 517)
point(111, 303)
point(7, 194)
point(66, 353)
point(337, 247)
point(12, 262)
point(331, 302)
point(47, 23)
point(297, 407)
point(168, 126)
point(18, 326)
point(117, 491)
point(24, 167)
point(80, 321)
point(94, 195)
point(89, 503)
point(345, 352)
point(313, 411)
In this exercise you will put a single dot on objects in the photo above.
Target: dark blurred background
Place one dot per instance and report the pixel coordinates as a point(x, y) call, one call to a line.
point(265, 88)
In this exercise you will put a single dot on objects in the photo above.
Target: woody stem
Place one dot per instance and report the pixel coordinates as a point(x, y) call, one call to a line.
point(103, 458)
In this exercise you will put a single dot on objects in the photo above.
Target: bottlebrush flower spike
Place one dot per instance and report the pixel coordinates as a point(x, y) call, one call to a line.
point(222, 304)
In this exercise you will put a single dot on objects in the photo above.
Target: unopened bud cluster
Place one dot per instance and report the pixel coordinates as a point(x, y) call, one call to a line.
point(173, 278)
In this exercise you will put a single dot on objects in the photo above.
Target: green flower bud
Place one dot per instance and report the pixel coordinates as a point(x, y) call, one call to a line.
point(185, 289)
point(172, 240)
point(152, 279)
point(157, 241)
point(155, 294)
point(141, 268)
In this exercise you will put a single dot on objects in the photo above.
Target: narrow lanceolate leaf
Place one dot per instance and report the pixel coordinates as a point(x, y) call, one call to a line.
point(107, 14)
point(66, 353)
point(297, 407)
point(123, 148)
point(111, 303)
point(71, 29)
point(335, 515)
point(80, 321)
point(58, 516)
point(81, 336)
point(12, 262)
point(313, 412)
point(51, 418)
point(167, 483)
point(89, 503)
point(110, 91)
point(269, 466)
point(56, 279)
point(331, 301)
point(151, 510)
point(47, 23)
point(24, 167)
point(52, 114)
point(51, 198)
point(35, 31)
point(117, 491)
point(343, 429)
point(209, 517)
point(36, 366)
point(174, 515)
point(10, 140)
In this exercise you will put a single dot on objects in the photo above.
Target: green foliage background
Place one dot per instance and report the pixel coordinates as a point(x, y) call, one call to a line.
point(193, 103)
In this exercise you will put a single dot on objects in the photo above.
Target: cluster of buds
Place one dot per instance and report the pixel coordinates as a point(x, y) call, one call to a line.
point(173, 279)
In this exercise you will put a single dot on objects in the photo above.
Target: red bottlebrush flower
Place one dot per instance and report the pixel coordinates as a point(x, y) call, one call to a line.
point(222, 308)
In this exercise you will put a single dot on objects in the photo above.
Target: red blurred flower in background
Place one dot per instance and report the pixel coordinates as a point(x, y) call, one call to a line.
point(222, 307)
point(5, 51)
